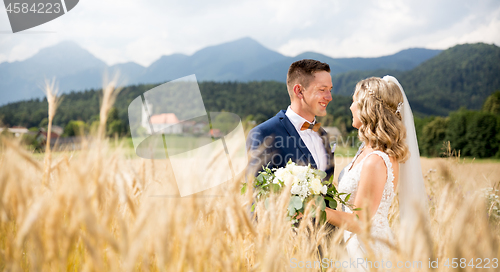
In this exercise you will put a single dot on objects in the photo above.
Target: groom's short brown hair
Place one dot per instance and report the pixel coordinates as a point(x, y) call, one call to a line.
point(302, 71)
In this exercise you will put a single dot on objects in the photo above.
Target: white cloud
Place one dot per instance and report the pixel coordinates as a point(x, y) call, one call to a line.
point(141, 31)
point(488, 32)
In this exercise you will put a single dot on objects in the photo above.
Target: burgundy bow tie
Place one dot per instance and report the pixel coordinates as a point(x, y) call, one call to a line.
point(314, 127)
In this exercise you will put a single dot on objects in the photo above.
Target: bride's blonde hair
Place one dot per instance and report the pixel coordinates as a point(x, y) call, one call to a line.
point(381, 122)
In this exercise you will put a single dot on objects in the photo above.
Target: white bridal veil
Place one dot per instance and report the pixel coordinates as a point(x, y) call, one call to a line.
point(412, 196)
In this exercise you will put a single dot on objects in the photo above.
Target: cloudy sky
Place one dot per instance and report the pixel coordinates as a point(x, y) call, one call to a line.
point(142, 30)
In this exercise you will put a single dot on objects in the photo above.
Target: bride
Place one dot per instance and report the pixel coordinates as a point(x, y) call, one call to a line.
point(389, 153)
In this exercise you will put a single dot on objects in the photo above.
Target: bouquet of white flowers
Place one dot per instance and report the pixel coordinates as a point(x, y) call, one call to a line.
point(305, 185)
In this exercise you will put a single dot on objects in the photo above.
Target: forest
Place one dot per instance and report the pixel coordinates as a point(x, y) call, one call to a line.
point(475, 132)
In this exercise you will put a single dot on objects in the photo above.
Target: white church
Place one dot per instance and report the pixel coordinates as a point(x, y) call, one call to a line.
point(167, 123)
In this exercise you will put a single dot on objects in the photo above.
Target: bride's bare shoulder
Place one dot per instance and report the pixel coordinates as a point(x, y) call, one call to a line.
point(374, 163)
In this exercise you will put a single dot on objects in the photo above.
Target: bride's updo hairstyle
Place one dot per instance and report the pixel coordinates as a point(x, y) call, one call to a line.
point(381, 122)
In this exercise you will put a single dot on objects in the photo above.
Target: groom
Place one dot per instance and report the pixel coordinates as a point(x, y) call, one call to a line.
point(294, 134)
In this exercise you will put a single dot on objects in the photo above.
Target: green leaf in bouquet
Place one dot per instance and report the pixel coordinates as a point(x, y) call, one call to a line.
point(296, 202)
point(260, 178)
point(320, 202)
point(357, 209)
point(332, 189)
point(253, 207)
point(347, 198)
point(243, 188)
point(329, 198)
point(274, 187)
point(332, 203)
point(266, 203)
point(321, 174)
point(322, 218)
point(293, 210)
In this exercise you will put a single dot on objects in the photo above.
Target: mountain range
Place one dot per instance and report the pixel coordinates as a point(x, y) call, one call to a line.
point(242, 60)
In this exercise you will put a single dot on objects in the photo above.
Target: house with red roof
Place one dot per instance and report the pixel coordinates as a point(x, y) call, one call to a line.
point(167, 123)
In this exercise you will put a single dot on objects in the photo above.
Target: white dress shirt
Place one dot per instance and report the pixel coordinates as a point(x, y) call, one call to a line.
point(311, 139)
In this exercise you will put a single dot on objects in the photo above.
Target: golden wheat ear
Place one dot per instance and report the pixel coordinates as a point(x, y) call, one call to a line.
point(110, 91)
point(51, 90)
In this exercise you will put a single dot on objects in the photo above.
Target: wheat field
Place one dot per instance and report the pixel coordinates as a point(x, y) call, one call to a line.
point(98, 210)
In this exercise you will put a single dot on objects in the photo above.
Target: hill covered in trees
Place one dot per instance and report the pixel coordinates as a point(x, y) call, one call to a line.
point(475, 133)
point(462, 76)
point(255, 100)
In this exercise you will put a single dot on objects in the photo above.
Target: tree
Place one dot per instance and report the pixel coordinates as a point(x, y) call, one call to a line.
point(420, 123)
point(481, 135)
point(225, 122)
point(114, 125)
point(492, 103)
point(44, 123)
point(456, 130)
point(75, 128)
point(433, 136)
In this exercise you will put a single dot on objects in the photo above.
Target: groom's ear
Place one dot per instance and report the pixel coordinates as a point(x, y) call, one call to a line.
point(297, 90)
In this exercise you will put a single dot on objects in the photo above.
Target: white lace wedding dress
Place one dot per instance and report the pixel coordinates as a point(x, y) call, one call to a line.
point(380, 224)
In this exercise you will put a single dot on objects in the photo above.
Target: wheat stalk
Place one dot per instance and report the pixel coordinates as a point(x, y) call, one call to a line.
point(53, 101)
point(110, 91)
point(94, 218)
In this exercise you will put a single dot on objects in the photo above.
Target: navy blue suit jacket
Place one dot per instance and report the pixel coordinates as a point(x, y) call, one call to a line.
point(276, 141)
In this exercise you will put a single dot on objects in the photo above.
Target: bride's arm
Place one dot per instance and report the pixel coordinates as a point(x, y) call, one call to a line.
point(370, 190)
